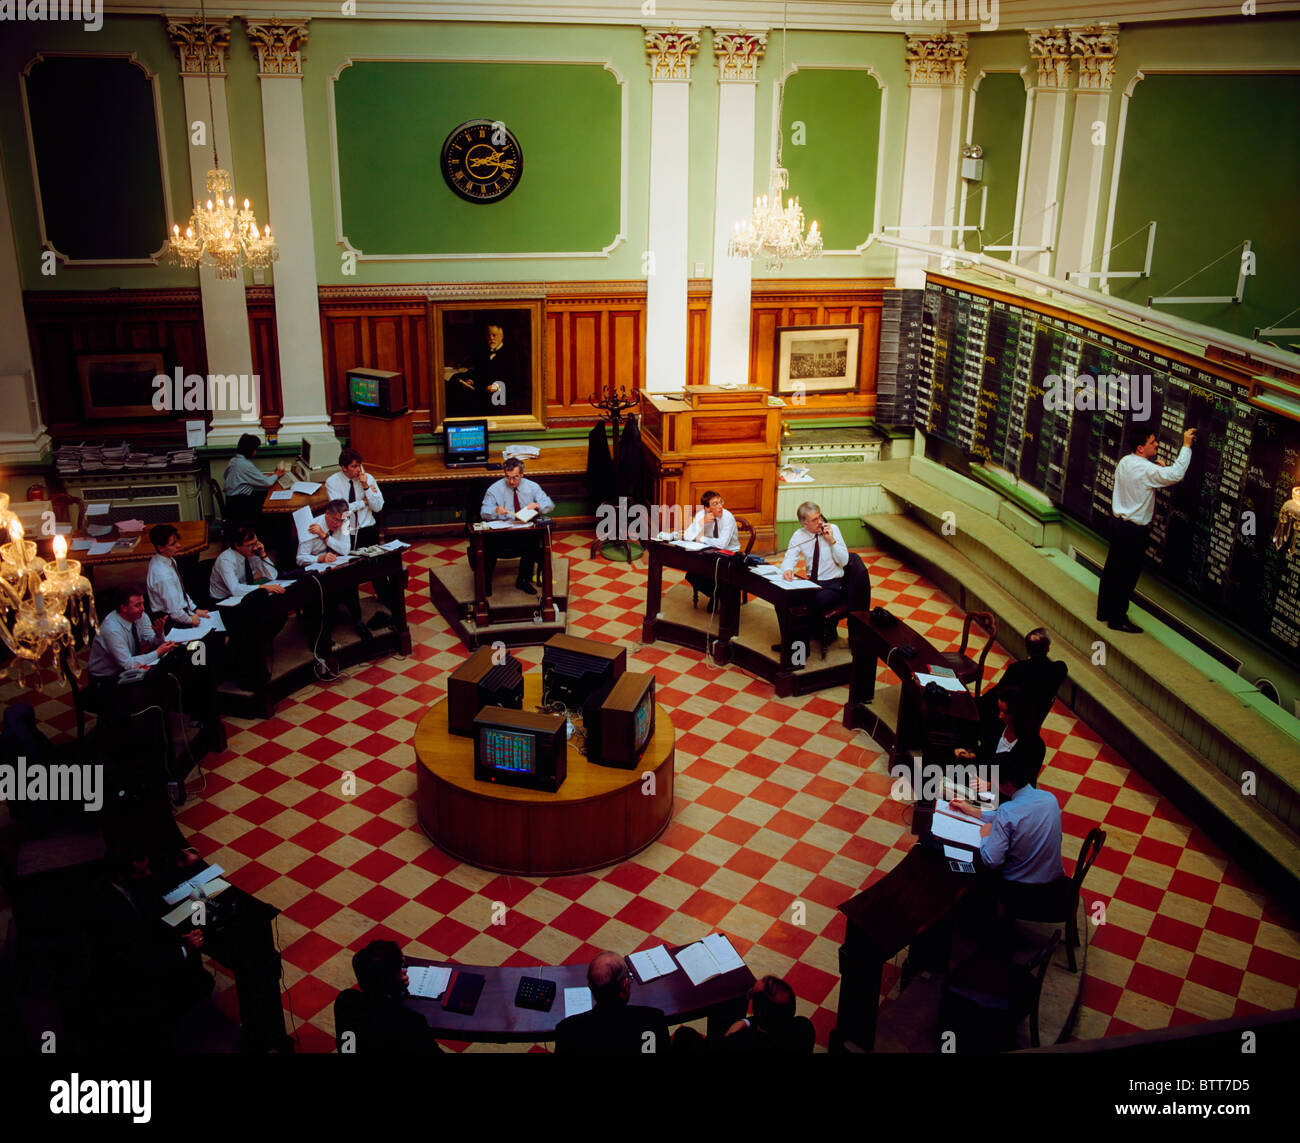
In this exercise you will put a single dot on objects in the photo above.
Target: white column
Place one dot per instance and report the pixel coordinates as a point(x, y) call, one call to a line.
point(1041, 212)
point(297, 309)
point(936, 73)
point(225, 311)
point(737, 55)
point(670, 55)
point(22, 429)
point(1083, 202)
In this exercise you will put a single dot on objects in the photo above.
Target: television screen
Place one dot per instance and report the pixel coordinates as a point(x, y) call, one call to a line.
point(644, 718)
point(508, 751)
point(467, 439)
point(363, 390)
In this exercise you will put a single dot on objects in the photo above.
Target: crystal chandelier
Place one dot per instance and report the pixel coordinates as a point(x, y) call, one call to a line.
point(774, 231)
point(218, 235)
point(46, 608)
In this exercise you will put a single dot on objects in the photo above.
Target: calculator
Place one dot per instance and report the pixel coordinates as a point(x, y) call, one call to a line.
point(534, 992)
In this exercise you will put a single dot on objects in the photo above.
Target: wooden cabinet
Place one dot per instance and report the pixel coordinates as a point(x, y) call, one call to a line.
point(722, 440)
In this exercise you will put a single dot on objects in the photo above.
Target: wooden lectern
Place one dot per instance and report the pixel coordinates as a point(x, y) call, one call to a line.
point(725, 440)
point(385, 442)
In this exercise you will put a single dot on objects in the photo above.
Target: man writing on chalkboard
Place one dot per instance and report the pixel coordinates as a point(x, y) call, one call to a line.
point(1133, 503)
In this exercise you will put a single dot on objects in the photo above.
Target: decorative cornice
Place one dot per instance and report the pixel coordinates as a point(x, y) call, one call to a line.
point(279, 46)
point(737, 55)
point(670, 52)
point(937, 60)
point(1049, 48)
point(201, 47)
point(1095, 47)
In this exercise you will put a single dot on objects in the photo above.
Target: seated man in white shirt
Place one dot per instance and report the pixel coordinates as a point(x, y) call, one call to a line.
point(243, 567)
point(328, 540)
point(511, 494)
point(166, 591)
point(365, 501)
point(126, 640)
point(841, 576)
point(713, 527)
point(245, 484)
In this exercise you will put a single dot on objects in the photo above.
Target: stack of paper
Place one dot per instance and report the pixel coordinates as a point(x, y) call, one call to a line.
point(652, 963)
point(306, 487)
point(184, 634)
point(949, 825)
point(427, 981)
point(281, 494)
point(709, 958)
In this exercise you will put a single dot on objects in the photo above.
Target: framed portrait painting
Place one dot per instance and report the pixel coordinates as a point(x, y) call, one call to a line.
point(488, 363)
point(817, 359)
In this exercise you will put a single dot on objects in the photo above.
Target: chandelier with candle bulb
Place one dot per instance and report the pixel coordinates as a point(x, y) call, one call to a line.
point(219, 235)
point(775, 231)
point(46, 607)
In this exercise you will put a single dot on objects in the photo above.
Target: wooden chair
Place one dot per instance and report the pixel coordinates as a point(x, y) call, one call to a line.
point(989, 995)
point(1069, 887)
point(970, 670)
point(68, 509)
point(743, 527)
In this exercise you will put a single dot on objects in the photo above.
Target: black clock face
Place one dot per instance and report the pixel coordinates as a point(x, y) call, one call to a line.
point(482, 161)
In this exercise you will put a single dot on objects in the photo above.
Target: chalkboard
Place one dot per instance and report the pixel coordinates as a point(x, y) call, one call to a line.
point(985, 385)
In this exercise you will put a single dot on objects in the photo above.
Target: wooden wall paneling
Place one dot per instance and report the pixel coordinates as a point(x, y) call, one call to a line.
point(594, 336)
point(377, 332)
point(266, 349)
point(625, 349)
point(553, 354)
point(698, 313)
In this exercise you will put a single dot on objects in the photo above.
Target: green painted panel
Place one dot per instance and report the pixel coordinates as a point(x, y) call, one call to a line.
point(393, 117)
point(833, 171)
point(999, 129)
point(1215, 159)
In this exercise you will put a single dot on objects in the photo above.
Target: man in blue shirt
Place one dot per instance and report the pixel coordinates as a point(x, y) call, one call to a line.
point(512, 494)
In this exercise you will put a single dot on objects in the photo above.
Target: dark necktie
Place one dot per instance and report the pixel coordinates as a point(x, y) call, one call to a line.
point(352, 492)
point(817, 555)
point(715, 529)
point(516, 495)
point(248, 570)
point(135, 641)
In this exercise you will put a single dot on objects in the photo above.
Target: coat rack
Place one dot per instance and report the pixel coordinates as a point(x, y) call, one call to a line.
point(614, 406)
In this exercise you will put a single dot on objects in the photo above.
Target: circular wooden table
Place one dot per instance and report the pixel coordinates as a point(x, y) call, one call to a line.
point(599, 816)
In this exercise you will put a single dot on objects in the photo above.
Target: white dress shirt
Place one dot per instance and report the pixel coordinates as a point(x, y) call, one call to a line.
point(167, 593)
point(362, 500)
point(830, 564)
point(230, 577)
point(112, 651)
point(1136, 481)
point(313, 547)
point(502, 495)
point(702, 529)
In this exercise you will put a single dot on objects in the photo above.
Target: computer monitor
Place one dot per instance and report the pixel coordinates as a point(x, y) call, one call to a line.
point(466, 443)
point(619, 720)
point(520, 748)
point(377, 392)
point(573, 668)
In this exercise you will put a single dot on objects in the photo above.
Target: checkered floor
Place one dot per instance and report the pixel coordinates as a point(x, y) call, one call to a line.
point(780, 815)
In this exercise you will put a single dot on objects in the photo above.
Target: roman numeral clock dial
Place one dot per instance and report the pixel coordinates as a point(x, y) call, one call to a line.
point(482, 161)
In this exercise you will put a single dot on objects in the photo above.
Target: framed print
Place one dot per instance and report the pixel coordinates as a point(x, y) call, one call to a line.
point(817, 358)
point(118, 385)
point(487, 361)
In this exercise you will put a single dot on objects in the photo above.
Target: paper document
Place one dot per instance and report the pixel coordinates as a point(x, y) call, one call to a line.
point(796, 584)
point(524, 452)
point(769, 570)
point(428, 981)
point(100, 549)
point(577, 1001)
point(955, 853)
point(949, 825)
point(202, 877)
point(302, 520)
point(185, 634)
point(97, 509)
point(948, 684)
point(653, 963)
point(230, 601)
point(185, 909)
point(690, 545)
point(703, 961)
point(499, 523)
point(281, 494)
point(317, 566)
point(306, 487)
point(525, 514)
point(395, 545)
point(79, 545)
point(196, 433)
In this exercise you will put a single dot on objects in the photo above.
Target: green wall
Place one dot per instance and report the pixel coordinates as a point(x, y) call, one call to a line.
point(1215, 159)
point(999, 128)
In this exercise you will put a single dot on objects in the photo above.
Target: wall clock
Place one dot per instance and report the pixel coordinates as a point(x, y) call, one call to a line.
point(482, 161)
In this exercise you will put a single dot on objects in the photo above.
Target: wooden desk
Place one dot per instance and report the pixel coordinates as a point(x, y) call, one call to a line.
point(429, 485)
point(913, 897)
point(194, 539)
point(317, 500)
point(480, 538)
point(496, 1018)
point(599, 816)
point(706, 562)
point(872, 643)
